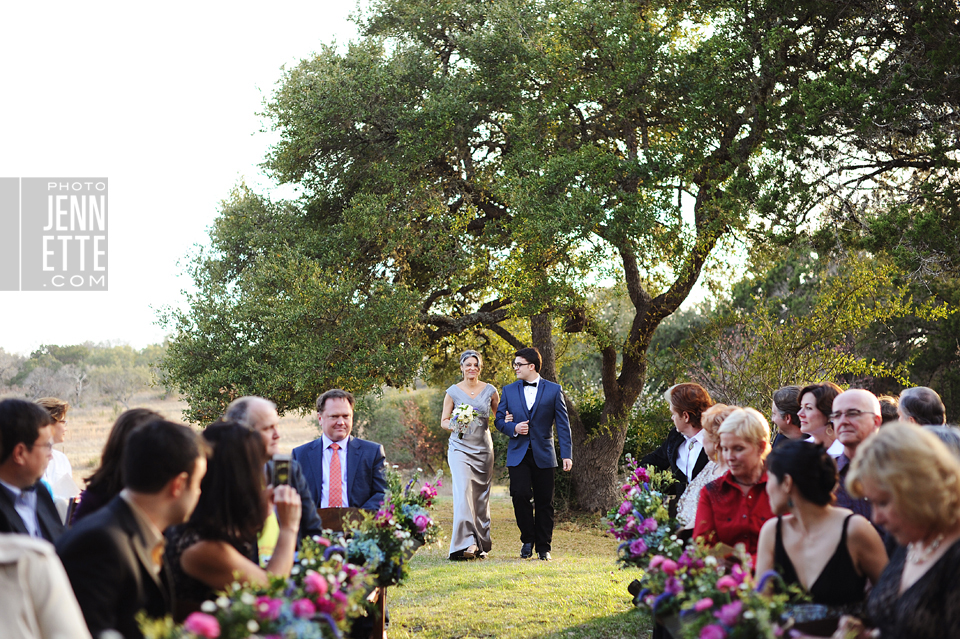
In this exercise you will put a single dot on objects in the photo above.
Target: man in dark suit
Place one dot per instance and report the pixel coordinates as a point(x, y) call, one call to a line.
point(114, 557)
point(682, 454)
point(355, 465)
point(259, 414)
point(26, 445)
point(531, 457)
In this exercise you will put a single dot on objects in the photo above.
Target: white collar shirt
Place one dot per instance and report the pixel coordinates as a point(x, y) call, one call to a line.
point(688, 453)
point(530, 392)
point(25, 503)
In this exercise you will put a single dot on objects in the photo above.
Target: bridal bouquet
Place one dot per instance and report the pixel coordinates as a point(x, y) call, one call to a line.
point(641, 522)
point(463, 417)
point(384, 542)
point(316, 602)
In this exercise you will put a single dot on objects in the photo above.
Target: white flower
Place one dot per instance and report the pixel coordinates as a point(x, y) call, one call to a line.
point(748, 614)
point(249, 600)
point(223, 602)
point(395, 466)
point(710, 560)
point(208, 607)
point(253, 626)
point(419, 470)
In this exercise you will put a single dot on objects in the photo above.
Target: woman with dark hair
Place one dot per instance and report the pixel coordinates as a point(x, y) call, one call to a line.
point(106, 482)
point(470, 456)
point(218, 544)
point(784, 414)
point(828, 551)
point(816, 404)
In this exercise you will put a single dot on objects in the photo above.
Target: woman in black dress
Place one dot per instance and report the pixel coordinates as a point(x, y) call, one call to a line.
point(913, 483)
point(828, 551)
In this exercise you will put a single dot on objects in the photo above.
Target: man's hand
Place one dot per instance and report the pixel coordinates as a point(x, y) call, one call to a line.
point(522, 428)
point(567, 465)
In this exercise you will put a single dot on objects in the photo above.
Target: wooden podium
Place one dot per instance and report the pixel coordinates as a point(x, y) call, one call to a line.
point(334, 519)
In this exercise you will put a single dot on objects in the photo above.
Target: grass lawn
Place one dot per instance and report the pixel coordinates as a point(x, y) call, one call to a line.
point(581, 593)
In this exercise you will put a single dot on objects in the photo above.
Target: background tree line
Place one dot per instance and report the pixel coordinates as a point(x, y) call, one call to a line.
point(83, 374)
point(562, 174)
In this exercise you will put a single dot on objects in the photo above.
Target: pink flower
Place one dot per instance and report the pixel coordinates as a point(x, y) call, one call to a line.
point(713, 631)
point(303, 608)
point(625, 507)
point(669, 566)
point(641, 474)
point(626, 488)
point(314, 583)
point(656, 561)
point(649, 524)
point(726, 583)
point(202, 624)
point(269, 608)
point(729, 614)
point(422, 522)
point(323, 541)
point(704, 604)
point(638, 548)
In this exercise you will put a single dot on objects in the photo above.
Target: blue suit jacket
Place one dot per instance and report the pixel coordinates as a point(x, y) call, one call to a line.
point(366, 481)
point(548, 408)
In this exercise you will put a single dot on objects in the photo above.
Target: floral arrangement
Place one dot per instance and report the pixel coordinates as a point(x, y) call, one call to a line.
point(642, 523)
point(463, 416)
point(714, 599)
point(317, 601)
point(384, 541)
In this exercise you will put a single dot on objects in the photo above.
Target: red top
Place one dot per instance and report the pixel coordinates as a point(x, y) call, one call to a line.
point(725, 514)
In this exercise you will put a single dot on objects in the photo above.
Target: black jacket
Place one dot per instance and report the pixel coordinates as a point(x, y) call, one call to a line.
point(50, 525)
point(665, 458)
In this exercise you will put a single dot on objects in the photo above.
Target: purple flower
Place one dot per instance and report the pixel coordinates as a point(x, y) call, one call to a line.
point(713, 631)
point(649, 524)
point(641, 474)
point(422, 522)
point(638, 548)
point(729, 614)
point(303, 608)
point(673, 586)
point(625, 508)
point(203, 625)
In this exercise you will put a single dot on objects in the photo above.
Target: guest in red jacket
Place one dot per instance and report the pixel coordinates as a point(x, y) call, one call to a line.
point(733, 508)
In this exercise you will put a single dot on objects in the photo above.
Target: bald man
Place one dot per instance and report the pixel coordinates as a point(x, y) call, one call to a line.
point(259, 414)
point(856, 415)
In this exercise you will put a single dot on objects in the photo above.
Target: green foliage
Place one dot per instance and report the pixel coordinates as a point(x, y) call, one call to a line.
point(386, 420)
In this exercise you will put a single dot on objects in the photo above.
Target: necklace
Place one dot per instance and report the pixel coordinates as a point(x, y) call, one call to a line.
point(474, 392)
point(744, 483)
point(917, 553)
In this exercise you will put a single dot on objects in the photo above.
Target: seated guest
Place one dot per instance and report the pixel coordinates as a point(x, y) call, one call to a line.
point(36, 601)
point(682, 453)
point(711, 420)
point(357, 465)
point(114, 557)
point(830, 552)
point(785, 414)
point(921, 405)
point(816, 404)
point(260, 415)
point(106, 482)
point(26, 439)
point(218, 544)
point(913, 482)
point(733, 508)
point(855, 416)
point(888, 408)
point(59, 473)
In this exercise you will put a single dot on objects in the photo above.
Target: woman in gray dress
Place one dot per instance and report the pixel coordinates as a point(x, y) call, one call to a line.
point(471, 460)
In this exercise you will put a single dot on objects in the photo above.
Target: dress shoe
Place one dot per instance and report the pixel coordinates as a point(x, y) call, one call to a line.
point(471, 552)
point(526, 551)
point(545, 556)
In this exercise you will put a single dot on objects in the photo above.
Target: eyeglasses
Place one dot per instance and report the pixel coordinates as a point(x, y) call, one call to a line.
point(850, 414)
point(517, 365)
point(48, 446)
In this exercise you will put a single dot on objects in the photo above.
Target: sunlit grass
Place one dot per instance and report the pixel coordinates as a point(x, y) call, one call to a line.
point(581, 593)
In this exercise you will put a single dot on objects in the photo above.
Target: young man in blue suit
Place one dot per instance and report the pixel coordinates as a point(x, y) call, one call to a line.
point(535, 405)
point(359, 464)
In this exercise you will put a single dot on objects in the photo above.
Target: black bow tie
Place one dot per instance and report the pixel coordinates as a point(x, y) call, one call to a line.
point(29, 489)
point(534, 384)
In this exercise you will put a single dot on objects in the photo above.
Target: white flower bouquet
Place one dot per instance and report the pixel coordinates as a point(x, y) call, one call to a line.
point(463, 417)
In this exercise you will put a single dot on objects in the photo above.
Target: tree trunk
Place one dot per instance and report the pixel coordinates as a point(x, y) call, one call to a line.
point(541, 332)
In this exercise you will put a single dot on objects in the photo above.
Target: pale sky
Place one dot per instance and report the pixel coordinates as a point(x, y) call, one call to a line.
point(162, 101)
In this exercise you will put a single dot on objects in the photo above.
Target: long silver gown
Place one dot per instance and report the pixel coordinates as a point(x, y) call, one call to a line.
point(471, 470)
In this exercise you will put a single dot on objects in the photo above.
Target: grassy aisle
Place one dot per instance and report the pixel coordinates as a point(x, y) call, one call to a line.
point(581, 593)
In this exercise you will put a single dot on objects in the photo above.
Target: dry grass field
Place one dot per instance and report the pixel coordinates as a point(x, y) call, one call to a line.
point(88, 427)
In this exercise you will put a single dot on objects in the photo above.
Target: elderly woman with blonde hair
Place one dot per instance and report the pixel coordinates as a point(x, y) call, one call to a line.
point(733, 508)
point(913, 482)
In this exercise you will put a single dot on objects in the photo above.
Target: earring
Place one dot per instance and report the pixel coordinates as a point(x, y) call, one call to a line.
point(789, 502)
